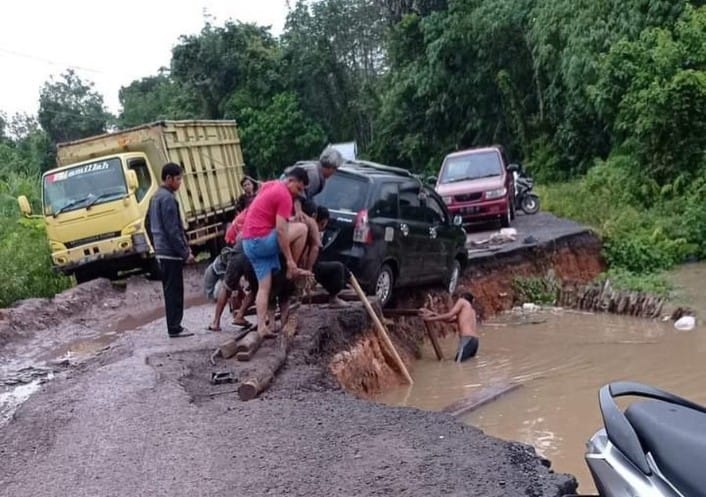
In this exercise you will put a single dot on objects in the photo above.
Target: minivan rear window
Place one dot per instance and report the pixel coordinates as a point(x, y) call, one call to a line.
point(471, 166)
point(343, 193)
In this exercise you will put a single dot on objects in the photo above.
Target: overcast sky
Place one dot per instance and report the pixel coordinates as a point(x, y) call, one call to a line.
point(109, 43)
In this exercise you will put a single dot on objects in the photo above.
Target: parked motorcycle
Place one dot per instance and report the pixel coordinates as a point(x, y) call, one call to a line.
point(525, 198)
point(655, 448)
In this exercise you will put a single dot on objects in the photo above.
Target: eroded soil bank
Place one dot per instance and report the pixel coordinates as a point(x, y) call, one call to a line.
point(138, 415)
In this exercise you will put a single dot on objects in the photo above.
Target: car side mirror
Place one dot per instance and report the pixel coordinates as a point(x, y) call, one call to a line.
point(25, 208)
point(513, 168)
point(132, 182)
point(457, 221)
point(430, 180)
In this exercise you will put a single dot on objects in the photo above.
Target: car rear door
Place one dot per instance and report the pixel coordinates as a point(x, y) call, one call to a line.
point(414, 230)
point(441, 237)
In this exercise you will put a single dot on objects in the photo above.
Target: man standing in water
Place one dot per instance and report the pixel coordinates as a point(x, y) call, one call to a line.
point(463, 314)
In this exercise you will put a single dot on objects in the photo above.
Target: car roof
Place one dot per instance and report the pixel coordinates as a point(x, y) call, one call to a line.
point(369, 169)
point(470, 151)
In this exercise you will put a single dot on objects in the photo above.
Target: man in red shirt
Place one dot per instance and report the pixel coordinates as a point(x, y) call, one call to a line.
point(266, 232)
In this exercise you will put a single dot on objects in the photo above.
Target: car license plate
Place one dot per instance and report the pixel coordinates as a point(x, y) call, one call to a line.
point(471, 210)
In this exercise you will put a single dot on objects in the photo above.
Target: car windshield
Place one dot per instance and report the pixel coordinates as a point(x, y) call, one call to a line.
point(343, 193)
point(471, 166)
point(83, 186)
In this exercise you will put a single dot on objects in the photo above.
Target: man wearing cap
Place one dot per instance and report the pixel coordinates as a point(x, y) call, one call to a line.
point(318, 172)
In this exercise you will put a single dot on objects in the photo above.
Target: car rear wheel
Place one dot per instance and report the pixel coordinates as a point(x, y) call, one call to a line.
point(384, 284)
point(454, 276)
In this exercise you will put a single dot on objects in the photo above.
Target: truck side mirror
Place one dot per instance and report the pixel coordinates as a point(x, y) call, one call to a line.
point(431, 181)
point(132, 182)
point(25, 208)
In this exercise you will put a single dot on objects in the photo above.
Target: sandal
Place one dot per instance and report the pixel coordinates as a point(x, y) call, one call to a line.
point(210, 327)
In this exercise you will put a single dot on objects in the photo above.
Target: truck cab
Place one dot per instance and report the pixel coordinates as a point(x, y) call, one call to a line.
point(93, 214)
point(95, 203)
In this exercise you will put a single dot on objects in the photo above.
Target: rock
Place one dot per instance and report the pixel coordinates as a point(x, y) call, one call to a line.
point(685, 323)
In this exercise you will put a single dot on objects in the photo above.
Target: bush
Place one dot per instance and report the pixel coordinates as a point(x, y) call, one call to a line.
point(535, 289)
point(25, 263)
point(621, 279)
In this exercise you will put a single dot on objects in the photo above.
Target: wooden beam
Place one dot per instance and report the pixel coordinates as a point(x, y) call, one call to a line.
point(382, 332)
point(400, 312)
point(480, 398)
point(434, 341)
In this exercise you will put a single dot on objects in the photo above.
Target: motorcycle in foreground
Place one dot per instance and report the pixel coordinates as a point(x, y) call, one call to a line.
point(525, 198)
point(655, 448)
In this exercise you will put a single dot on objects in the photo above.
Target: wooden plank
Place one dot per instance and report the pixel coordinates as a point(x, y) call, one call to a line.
point(400, 312)
point(381, 330)
point(434, 341)
point(480, 398)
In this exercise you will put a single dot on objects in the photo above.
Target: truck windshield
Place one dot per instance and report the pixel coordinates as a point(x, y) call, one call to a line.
point(471, 166)
point(343, 193)
point(83, 186)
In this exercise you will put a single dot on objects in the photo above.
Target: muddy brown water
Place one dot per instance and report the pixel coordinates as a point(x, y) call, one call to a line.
point(561, 361)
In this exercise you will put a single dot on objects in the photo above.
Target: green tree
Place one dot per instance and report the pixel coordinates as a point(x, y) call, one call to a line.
point(278, 135)
point(238, 58)
point(333, 57)
point(70, 109)
point(155, 98)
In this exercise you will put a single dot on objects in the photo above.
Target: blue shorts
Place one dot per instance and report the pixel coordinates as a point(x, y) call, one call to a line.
point(467, 348)
point(263, 254)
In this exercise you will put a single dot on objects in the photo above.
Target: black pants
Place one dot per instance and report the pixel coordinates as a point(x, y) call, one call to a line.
point(173, 286)
point(331, 275)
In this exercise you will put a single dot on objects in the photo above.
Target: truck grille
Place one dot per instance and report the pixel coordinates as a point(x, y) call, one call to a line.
point(91, 239)
point(468, 197)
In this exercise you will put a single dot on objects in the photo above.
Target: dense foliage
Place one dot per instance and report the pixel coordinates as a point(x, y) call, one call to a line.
point(601, 100)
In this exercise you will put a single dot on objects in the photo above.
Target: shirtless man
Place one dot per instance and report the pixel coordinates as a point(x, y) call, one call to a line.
point(463, 314)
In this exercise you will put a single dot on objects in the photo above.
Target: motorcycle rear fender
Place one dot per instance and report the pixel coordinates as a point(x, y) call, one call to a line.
point(616, 476)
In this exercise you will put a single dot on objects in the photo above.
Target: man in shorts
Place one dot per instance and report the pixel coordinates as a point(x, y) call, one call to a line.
point(463, 314)
point(267, 232)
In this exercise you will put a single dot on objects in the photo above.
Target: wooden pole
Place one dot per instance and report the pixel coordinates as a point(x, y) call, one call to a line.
point(434, 342)
point(381, 329)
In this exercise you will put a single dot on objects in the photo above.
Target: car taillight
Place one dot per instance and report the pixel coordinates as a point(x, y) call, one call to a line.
point(361, 228)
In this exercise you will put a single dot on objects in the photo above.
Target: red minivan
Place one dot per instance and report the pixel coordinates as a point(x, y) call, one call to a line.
point(476, 185)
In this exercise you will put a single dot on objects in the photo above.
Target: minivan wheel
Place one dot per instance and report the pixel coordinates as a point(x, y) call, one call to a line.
point(454, 275)
point(384, 284)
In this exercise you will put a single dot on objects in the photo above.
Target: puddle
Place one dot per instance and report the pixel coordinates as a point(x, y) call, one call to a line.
point(132, 322)
point(79, 349)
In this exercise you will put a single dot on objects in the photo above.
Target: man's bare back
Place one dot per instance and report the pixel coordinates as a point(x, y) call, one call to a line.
point(463, 314)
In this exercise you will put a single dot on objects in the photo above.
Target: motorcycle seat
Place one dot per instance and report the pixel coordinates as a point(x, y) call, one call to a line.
point(676, 438)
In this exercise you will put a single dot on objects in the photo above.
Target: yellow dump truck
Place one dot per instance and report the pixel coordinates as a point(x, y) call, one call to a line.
point(95, 203)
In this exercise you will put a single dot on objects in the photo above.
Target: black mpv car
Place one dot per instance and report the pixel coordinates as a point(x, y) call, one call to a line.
point(390, 230)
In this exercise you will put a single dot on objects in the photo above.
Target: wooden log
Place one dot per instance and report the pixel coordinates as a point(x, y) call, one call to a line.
point(248, 344)
point(480, 398)
point(261, 377)
point(230, 348)
point(434, 341)
point(400, 312)
point(381, 329)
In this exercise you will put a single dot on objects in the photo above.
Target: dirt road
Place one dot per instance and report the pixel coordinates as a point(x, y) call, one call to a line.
point(111, 416)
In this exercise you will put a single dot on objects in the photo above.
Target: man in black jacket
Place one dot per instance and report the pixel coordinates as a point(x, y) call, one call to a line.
point(171, 247)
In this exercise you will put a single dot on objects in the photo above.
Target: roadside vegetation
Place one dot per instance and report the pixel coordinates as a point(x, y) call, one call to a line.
point(602, 101)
